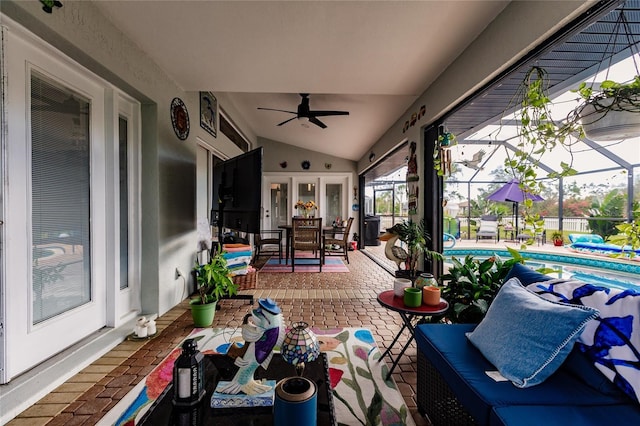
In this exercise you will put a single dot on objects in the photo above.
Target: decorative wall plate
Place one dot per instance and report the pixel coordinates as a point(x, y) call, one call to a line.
point(305, 165)
point(179, 118)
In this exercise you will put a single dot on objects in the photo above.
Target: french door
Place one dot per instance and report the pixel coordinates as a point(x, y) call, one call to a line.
point(330, 192)
point(276, 204)
point(64, 184)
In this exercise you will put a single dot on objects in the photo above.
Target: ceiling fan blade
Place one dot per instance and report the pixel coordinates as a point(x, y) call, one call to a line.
point(327, 113)
point(286, 121)
point(280, 110)
point(317, 122)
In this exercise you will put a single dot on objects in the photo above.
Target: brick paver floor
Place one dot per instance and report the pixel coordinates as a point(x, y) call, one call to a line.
point(321, 299)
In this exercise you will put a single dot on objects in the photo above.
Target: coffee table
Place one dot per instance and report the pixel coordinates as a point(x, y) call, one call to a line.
point(221, 367)
point(410, 318)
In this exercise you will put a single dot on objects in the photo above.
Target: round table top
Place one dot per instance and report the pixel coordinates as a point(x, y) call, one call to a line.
point(389, 300)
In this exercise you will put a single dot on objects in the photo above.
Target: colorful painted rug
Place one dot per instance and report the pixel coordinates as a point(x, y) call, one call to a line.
point(361, 394)
point(331, 264)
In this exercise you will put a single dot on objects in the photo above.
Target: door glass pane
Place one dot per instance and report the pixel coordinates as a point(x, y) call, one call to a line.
point(60, 199)
point(124, 204)
point(307, 192)
point(279, 204)
point(333, 203)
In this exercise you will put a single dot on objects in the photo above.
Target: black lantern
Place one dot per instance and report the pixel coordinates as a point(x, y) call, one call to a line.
point(188, 375)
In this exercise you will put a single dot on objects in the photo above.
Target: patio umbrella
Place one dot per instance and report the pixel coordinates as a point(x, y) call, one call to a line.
point(512, 192)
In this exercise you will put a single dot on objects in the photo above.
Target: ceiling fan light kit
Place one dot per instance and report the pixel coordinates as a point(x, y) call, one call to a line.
point(305, 113)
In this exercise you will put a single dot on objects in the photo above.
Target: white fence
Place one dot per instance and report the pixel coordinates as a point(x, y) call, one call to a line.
point(572, 224)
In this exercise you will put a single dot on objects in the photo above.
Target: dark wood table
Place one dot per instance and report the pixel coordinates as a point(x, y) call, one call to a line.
point(410, 318)
point(333, 230)
point(221, 367)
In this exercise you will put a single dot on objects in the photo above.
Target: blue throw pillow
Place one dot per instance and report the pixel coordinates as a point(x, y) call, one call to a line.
point(525, 275)
point(527, 337)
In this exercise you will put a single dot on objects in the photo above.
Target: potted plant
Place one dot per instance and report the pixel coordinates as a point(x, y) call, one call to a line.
point(611, 113)
point(557, 238)
point(213, 283)
point(415, 237)
point(471, 285)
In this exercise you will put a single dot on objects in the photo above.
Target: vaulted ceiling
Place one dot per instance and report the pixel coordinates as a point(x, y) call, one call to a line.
point(371, 58)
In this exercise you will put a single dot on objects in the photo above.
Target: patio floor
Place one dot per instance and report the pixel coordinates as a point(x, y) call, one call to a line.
point(322, 300)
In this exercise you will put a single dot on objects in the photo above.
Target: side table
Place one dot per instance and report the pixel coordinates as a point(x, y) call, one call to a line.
point(410, 318)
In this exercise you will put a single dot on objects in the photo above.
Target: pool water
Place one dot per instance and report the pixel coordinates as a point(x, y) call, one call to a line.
point(594, 271)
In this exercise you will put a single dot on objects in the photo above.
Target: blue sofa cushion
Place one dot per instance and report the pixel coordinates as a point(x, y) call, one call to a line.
point(578, 364)
point(527, 337)
point(536, 415)
point(464, 369)
point(525, 275)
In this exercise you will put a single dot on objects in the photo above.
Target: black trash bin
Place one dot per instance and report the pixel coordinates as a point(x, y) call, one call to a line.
point(371, 230)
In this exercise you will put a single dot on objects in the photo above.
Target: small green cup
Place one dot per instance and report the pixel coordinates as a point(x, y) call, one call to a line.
point(412, 297)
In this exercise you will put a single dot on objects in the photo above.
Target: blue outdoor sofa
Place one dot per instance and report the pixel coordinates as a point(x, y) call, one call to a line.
point(454, 387)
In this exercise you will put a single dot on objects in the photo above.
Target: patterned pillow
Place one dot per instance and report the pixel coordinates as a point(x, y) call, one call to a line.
point(611, 341)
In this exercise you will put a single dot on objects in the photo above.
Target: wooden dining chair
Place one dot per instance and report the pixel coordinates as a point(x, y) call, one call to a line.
point(306, 235)
point(268, 242)
point(337, 246)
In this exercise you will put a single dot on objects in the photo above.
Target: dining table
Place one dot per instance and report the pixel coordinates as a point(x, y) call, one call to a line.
point(326, 230)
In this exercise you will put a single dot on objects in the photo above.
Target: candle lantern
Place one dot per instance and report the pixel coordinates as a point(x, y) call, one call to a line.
point(188, 375)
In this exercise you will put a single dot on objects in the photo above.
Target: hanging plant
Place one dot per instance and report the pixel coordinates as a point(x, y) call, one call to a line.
point(537, 134)
point(612, 111)
point(442, 155)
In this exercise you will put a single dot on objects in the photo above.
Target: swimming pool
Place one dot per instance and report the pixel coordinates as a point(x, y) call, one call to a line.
point(595, 271)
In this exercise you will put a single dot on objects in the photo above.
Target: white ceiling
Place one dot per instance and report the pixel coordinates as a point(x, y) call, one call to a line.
point(371, 58)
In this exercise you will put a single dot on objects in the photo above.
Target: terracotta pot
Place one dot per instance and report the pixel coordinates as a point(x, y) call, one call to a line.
point(431, 295)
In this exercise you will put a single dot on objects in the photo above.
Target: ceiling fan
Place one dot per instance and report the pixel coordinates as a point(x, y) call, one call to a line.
point(305, 112)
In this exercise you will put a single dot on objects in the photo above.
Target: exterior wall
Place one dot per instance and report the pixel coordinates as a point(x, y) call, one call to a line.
point(168, 164)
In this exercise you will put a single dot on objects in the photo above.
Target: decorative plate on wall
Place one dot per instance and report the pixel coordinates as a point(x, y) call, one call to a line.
point(305, 165)
point(179, 118)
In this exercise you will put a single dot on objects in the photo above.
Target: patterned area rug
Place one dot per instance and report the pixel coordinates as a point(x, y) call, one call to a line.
point(361, 394)
point(331, 264)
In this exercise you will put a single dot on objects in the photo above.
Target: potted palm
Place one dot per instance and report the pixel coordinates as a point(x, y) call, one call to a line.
point(213, 283)
point(415, 237)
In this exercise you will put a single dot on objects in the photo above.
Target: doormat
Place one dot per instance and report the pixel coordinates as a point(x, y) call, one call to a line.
point(331, 264)
point(361, 395)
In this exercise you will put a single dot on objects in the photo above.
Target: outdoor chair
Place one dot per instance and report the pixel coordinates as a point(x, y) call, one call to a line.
point(268, 242)
point(488, 228)
point(526, 233)
point(338, 246)
point(306, 235)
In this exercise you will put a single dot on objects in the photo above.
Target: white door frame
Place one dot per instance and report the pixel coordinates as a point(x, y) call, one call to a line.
point(24, 52)
point(319, 179)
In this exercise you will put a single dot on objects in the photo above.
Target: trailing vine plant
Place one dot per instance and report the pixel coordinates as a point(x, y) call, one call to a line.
point(537, 134)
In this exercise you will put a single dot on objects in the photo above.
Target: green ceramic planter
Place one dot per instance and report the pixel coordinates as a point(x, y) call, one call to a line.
point(412, 297)
point(202, 314)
